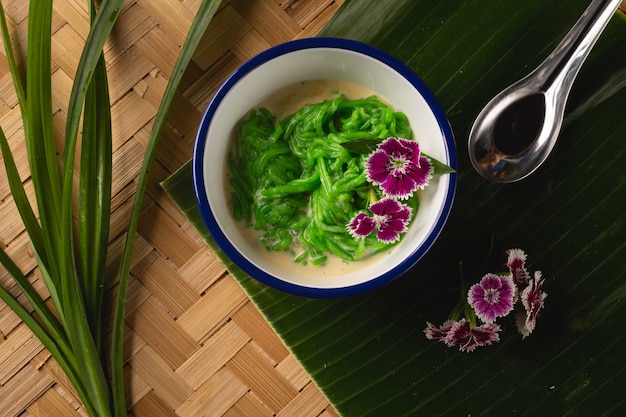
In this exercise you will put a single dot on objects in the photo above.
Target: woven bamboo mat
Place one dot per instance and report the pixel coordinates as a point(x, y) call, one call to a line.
point(196, 345)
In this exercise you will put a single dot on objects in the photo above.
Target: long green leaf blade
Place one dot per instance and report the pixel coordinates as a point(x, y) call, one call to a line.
point(39, 134)
point(15, 74)
point(51, 343)
point(95, 194)
point(40, 244)
point(203, 17)
point(77, 324)
point(35, 235)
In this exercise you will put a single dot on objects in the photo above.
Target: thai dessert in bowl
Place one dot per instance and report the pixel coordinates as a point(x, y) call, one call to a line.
point(324, 167)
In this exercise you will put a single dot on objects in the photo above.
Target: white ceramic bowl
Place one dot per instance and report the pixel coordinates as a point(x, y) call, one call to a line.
point(313, 59)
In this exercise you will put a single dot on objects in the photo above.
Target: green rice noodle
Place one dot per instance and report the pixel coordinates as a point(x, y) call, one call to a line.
point(294, 181)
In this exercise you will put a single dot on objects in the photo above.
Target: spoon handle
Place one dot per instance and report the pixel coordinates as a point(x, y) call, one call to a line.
point(560, 68)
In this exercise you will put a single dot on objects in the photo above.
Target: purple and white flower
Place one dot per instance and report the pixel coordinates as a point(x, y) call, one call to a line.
point(398, 167)
point(532, 299)
point(389, 217)
point(462, 334)
point(361, 225)
point(516, 263)
point(468, 338)
point(392, 218)
point(492, 297)
point(438, 333)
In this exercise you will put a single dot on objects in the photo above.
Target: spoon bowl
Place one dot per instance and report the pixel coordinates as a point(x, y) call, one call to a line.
point(516, 131)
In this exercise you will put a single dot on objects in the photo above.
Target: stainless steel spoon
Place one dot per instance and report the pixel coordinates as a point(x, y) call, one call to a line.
point(518, 128)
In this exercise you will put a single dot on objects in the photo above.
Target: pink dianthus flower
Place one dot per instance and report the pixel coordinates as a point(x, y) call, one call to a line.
point(492, 297)
point(399, 168)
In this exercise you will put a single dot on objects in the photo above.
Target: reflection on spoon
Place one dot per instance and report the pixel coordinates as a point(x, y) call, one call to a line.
point(518, 128)
point(519, 124)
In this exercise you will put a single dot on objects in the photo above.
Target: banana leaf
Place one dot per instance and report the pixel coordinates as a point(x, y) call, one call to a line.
point(368, 354)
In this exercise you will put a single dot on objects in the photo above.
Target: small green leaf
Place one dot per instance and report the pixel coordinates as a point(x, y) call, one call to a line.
point(440, 167)
point(363, 145)
point(368, 145)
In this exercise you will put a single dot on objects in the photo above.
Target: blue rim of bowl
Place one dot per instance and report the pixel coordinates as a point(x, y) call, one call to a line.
point(202, 199)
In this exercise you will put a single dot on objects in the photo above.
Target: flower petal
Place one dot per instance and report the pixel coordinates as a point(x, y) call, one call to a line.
point(492, 297)
point(421, 174)
point(457, 333)
point(533, 301)
point(433, 332)
point(486, 334)
point(398, 167)
point(389, 232)
point(361, 225)
point(377, 167)
point(391, 217)
point(516, 263)
point(401, 186)
point(385, 206)
point(469, 338)
point(413, 148)
point(396, 148)
point(523, 325)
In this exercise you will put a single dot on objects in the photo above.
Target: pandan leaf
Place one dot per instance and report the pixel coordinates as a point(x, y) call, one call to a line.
point(72, 264)
point(439, 167)
point(362, 146)
point(366, 146)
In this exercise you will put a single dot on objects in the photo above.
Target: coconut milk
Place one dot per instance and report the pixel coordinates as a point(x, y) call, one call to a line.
point(282, 103)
